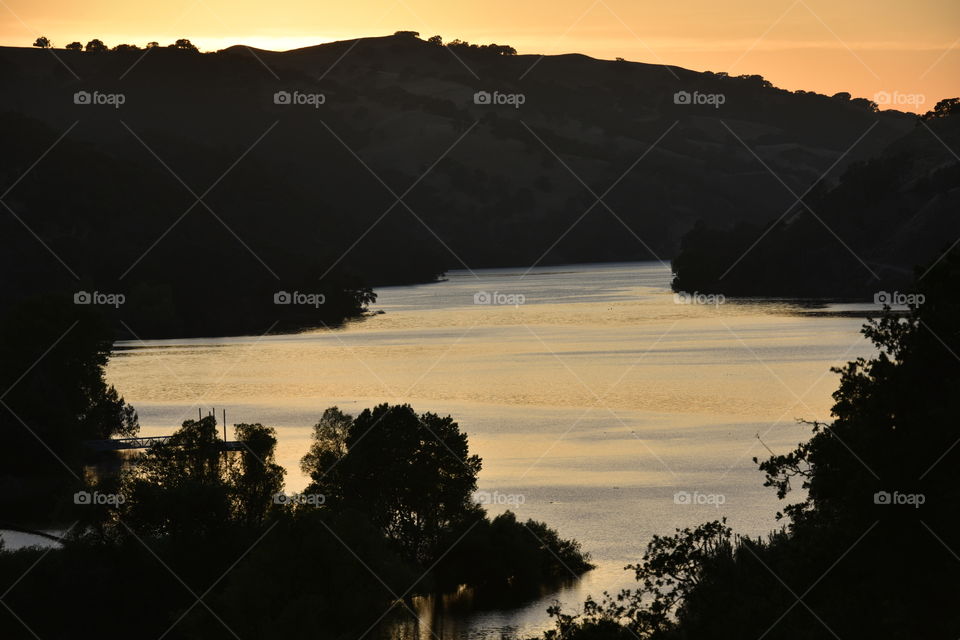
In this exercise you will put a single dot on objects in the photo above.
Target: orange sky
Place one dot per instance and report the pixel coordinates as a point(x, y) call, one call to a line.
point(909, 50)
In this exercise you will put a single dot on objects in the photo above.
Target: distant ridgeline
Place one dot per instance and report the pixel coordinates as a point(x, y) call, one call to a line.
point(863, 235)
point(200, 186)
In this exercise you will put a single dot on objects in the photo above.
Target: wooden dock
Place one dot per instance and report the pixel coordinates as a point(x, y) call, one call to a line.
point(122, 444)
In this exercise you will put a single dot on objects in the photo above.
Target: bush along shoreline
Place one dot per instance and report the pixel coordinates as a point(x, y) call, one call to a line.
point(389, 514)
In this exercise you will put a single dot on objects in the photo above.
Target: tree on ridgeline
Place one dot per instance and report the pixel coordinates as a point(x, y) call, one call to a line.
point(43, 42)
point(184, 45)
point(944, 108)
point(496, 49)
point(96, 46)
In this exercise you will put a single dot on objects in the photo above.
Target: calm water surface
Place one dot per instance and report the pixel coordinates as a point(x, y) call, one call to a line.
point(597, 400)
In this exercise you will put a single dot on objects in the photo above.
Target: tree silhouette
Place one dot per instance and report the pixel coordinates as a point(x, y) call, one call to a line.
point(327, 450)
point(497, 49)
point(944, 108)
point(412, 474)
point(871, 537)
point(60, 399)
point(74, 46)
point(42, 42)
point(255, 476)
point(184, 45)
point(96, 46)
point(189, 485)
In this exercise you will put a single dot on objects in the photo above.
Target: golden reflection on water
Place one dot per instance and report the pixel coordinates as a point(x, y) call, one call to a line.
point(634, 356)
point(597, 399)
point(654, 375)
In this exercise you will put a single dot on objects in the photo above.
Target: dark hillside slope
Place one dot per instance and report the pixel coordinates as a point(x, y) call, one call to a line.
point(296, 193)
point(862, 237)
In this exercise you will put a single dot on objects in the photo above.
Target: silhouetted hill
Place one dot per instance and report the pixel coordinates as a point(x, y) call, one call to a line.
point(310, 187)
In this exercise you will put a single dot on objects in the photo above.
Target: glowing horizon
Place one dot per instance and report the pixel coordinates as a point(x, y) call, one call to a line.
point(863, 48)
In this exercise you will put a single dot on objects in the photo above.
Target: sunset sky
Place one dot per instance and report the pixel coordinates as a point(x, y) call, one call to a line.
point(907, 49)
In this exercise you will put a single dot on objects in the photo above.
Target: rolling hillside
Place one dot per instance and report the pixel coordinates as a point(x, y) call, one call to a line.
point(292, 165)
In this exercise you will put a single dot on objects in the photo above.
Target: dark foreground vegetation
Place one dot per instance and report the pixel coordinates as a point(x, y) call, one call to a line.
point(389, 513)
point(851, 239)
point(870, 550)
point(191, 541)
point(202, 197)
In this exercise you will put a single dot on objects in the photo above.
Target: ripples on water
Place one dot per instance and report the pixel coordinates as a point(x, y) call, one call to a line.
point(597, 400)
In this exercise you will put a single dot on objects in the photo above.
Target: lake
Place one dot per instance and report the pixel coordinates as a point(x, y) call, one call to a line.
point(599, 402)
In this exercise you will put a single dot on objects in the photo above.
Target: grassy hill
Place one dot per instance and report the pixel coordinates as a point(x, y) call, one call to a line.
point(310, 191)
